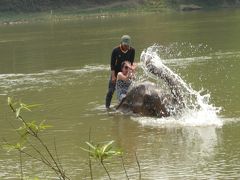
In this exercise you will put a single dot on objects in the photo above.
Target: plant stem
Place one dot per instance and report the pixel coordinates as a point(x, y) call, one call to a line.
point(89, 155)
point(34, 134)
point(21, 166)
point(124, 168)
point(44, 161)
point(55, 148)
point(139, 167)
point(105, 169)
point(53, 159)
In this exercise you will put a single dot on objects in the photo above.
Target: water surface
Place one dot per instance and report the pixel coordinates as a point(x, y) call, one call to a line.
point(65, 67)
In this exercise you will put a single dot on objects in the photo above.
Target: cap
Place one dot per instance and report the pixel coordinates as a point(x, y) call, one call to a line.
point(126, 40)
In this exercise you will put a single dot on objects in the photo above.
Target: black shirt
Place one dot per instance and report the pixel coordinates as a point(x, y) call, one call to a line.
point(118, 56)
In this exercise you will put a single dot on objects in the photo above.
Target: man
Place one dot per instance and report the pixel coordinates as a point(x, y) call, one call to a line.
point(124, 52)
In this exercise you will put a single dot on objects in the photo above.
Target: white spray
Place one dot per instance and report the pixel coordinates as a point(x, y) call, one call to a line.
point(198, 111)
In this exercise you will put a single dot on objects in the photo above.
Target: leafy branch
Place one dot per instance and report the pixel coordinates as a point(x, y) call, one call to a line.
point(28, 132)
point(102, 152)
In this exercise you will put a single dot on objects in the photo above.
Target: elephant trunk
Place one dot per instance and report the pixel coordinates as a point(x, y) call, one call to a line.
point(164, 73)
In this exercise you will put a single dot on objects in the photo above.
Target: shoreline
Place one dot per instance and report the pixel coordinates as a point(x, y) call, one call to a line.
point(61, 15)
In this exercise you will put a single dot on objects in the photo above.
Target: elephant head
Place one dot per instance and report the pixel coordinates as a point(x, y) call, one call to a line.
point(147, 99)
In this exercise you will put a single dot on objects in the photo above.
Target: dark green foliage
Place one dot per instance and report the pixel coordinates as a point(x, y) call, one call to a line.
point(41, 5)
point(44, 5)
point(203, 3)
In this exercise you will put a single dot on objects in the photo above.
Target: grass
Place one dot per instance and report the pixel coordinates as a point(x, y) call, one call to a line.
point(101, 9)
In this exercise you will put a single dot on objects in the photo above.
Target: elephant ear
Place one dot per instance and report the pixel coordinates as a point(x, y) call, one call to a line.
point(130, 93)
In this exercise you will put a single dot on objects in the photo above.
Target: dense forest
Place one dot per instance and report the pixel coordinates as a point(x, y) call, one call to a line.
point(42, 5)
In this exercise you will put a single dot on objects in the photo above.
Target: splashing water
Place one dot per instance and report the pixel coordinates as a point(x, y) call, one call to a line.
point(197, 112)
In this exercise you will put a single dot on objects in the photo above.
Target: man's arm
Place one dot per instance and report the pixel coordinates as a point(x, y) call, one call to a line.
point(133, 65)
point(113, 61)
point(113, 76)
point(132, 56)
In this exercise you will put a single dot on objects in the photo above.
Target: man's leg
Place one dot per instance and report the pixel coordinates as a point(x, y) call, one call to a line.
point(111, 89)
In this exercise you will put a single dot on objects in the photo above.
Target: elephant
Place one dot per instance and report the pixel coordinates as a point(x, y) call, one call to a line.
point(146, 99)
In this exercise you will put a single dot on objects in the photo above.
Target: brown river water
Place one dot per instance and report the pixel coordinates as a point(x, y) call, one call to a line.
point(65, 67)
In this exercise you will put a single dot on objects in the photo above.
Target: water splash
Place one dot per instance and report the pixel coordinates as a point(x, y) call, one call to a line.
point(198, 111)
point(183, 50)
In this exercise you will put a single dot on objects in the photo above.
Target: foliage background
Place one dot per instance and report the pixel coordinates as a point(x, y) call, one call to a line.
point(43, 5)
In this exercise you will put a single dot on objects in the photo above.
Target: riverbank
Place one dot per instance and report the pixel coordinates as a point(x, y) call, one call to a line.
point(23, 6)
point(40, 12)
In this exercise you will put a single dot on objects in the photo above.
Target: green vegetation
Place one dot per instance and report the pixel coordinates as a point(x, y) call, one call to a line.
point(204, 3)
point(30, 136)
point(25, 11)
point(44, 5)
point(93, 5)
point(100, 153)
point(31, 144)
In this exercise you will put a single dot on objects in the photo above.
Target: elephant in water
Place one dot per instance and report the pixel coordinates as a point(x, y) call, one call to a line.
point(147, 99)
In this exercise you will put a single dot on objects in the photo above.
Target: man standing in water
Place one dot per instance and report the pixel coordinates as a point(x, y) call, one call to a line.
point(124, 52)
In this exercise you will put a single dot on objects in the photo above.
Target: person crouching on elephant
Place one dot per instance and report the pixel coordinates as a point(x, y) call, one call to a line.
point(124, 80)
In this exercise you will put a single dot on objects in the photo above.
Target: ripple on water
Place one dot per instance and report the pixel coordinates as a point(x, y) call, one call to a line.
point(46, 79)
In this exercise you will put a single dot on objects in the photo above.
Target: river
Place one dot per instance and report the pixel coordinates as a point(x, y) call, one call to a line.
point(64, 65)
